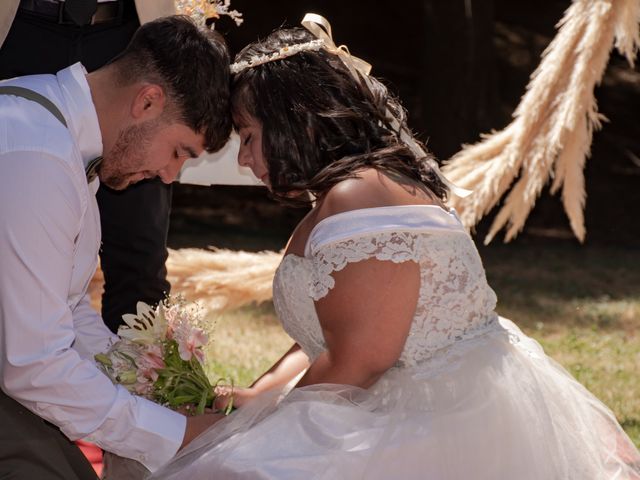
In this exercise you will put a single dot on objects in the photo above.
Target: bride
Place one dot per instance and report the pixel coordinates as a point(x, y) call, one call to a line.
point(401, 367)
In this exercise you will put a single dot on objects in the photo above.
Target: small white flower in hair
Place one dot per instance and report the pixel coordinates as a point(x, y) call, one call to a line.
point(284, 52)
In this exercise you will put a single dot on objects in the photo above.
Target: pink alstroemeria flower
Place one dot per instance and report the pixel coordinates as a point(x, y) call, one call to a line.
point(144, 387)
point(151, 361)
point(148, 374)
point(153, 357)
point(190, 344)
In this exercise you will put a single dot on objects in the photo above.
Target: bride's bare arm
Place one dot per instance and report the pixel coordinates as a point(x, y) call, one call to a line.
point(282, 372)
point(365, 319)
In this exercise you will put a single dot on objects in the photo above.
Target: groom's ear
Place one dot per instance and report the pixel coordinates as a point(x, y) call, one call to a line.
point(149, 102)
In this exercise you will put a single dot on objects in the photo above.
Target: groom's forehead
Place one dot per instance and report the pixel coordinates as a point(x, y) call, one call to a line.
point(184, 138)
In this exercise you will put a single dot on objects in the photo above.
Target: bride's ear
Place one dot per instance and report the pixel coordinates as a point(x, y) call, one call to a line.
point(148, 103)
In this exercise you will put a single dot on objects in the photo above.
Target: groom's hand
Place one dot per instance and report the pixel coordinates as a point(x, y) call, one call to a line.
point(198, 424)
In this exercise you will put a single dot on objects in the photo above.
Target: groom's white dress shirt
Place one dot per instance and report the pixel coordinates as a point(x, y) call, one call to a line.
point(49, 241)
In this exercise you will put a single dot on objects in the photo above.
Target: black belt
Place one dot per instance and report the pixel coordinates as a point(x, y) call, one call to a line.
point(53, 11)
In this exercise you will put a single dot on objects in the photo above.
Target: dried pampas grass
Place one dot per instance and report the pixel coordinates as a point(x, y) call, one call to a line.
point(552, 129)
point(222, 279)
point(218, 279)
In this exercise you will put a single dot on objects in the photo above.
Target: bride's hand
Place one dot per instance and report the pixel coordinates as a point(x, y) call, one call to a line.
point(225, 394)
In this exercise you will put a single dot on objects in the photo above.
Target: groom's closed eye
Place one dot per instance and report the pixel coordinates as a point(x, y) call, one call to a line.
point(185, 151)
point(247, 140)
point(190, 151)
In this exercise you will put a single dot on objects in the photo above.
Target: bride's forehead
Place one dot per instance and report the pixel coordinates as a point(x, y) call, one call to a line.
point(243, 120)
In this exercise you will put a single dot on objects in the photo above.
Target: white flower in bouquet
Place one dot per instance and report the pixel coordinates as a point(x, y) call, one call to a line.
point(147, 326)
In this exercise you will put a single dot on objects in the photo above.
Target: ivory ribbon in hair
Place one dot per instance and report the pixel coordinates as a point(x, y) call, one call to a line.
point(321, 28)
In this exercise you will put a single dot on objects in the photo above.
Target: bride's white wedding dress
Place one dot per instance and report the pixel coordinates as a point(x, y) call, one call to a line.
point(471, 397)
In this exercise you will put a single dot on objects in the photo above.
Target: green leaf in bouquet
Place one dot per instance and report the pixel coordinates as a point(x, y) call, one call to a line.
point(182, 400)
point(202, 403)
point(182, 382)
point(127, 378)
point(103, 359)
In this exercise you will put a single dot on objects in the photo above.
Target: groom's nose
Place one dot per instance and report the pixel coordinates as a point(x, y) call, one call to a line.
point(169, 173)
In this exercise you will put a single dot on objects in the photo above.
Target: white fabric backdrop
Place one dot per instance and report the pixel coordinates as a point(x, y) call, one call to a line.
point(220, 168)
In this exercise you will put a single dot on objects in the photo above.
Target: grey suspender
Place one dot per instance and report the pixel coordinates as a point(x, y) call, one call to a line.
point(35, 97)
point(91, 170)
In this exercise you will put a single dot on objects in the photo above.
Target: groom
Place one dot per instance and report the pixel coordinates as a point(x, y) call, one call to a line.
point(163, 100)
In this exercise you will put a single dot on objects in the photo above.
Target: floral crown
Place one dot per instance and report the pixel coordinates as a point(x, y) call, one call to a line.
point(284, 52)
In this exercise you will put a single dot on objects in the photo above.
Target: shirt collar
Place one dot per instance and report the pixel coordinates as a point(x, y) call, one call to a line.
point(83, 119)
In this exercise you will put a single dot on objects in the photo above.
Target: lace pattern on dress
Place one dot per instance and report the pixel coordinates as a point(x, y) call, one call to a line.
point(397, 247)
point(294, 308)
point(454, 302)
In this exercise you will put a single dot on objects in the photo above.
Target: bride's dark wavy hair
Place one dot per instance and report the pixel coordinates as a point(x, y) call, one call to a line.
point(319, 124)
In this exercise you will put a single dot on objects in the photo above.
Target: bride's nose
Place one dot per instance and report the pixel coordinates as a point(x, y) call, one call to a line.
point(244, 158)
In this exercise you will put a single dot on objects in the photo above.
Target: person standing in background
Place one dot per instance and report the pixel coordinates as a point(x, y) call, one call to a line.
point(45, 36)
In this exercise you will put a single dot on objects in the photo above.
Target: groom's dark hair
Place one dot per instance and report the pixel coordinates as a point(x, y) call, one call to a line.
point(192, 65)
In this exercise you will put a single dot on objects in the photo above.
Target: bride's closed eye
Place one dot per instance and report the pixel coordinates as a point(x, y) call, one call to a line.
point(247, 140)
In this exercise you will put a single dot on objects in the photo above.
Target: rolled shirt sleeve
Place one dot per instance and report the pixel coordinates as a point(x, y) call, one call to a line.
point(40, 220)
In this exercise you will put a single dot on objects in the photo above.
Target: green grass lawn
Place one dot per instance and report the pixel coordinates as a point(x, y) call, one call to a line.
point(581, 304)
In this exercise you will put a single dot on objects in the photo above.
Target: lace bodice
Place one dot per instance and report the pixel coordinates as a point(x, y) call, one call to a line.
point(455, 303)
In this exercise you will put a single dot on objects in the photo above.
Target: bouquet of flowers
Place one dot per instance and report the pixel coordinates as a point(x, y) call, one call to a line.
point(160, 356)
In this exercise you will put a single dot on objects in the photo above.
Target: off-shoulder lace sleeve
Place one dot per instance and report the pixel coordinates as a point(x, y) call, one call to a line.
point(392, 246)
point(395, 233)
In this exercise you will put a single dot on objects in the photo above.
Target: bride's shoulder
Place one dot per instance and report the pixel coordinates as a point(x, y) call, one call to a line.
point(369, 190)
point(372, 188)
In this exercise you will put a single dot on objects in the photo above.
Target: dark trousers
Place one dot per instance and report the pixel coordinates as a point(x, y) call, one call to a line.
point(134, 222)
point(33, 449)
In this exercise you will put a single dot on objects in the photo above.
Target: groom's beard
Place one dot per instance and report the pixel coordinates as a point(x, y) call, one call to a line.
point(124, 164)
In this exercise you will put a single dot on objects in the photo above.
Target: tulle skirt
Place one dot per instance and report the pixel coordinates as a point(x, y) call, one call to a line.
point(493, 407)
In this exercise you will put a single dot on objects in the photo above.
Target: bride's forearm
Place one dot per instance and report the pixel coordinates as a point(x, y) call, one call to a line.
point(324, 370)
point(283, 371)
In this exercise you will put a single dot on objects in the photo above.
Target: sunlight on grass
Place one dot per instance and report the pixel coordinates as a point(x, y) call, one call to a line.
point(606, 363)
